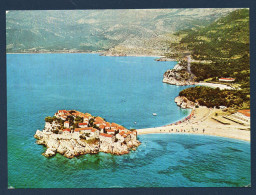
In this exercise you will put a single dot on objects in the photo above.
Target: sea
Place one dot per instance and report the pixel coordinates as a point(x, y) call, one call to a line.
point(124, 90)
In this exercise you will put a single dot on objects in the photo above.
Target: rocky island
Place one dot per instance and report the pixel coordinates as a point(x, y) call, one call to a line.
point(73, 133)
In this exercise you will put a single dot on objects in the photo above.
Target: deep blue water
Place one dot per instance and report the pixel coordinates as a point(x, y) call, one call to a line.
point(122, 90)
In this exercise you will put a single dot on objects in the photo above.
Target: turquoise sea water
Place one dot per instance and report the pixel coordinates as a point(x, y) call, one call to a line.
point(122, 90)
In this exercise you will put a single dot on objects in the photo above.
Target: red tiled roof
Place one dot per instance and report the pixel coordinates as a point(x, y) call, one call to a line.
point(64, 111)
point(106, 135)
point(110, 130)
point(114, 125)
point(99, 119)
point(228, 78)
point(66, 122)
point(86, 128)
point(66, 130)
point(83, 124)
point(122, 133)
point(121, 127)
point(101, 126)
point(82, 129)
point(245, 112)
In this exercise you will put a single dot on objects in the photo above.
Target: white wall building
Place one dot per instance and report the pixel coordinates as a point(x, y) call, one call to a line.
point(66, 124)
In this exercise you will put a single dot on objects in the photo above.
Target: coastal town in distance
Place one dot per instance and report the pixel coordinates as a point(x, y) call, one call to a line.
point(128, 98)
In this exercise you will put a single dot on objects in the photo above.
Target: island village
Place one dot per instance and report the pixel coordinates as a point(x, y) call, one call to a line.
point(73, 133)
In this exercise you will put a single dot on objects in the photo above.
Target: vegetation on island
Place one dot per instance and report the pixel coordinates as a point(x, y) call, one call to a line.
point(50, 119)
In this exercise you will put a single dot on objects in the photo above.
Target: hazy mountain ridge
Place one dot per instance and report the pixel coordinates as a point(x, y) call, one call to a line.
point(93, 30)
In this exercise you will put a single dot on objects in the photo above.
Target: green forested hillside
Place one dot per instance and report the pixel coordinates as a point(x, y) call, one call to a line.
point(211, 97)
point(225, 43)
point(220, 49)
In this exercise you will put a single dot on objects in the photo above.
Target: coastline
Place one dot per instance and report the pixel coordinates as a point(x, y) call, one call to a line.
point(210, 126)
point(100, 53)
point(202, 124)
point(56, 53)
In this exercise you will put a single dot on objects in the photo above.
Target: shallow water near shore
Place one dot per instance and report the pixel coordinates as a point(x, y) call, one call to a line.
point(162, 160)
point(121, 90)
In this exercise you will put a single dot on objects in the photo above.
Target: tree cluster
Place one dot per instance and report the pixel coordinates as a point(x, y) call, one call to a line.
point(211, 97)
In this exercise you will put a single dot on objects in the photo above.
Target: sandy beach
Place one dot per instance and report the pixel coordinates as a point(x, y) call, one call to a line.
point(202, 123)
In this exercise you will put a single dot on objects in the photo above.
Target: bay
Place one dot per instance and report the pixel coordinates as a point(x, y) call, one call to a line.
point(124, 90)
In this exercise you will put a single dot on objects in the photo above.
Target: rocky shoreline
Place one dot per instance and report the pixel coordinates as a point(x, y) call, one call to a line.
point(184, 103)
point(69, 141)
point(178, 76)
point(164, 59)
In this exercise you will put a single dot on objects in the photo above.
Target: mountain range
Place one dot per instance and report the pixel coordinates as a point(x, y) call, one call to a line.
point(117, 32)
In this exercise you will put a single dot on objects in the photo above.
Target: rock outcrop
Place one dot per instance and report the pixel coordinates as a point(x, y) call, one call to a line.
point(183, 102)
point(178, 76)
point(164, 59)
point(71, 147)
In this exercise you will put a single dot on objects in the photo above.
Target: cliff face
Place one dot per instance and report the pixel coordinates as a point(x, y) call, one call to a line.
point(179, 75)
point(71, 146)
